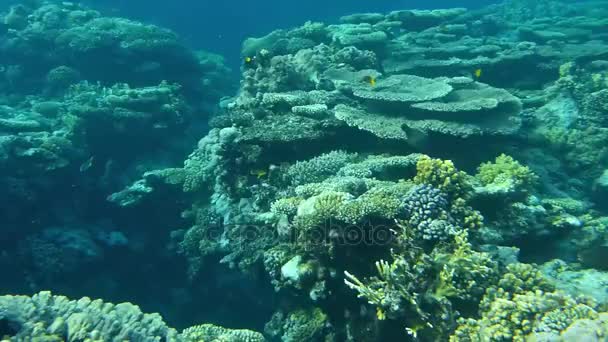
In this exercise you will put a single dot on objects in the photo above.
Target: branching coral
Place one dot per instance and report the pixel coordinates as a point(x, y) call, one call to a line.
point(317, 209)
point(520, 304)
point(319, 168)
point(343, 90)
point(395, 291)
point(466, 273)
point(299, 325)
point(427, 212)
point(452, 189)
point(506, 173)
point(443, 175)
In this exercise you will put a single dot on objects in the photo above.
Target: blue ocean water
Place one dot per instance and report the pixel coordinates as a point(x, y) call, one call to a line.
point(303, 171)
point(221, 26)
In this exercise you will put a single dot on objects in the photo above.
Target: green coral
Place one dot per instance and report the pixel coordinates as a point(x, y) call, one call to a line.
point(520, 278)
point(286, 206)
point(443, 175)
point(394, 290)
point(327, 204)
point(381, 202)
point(316, 210)
point(300, 325)
point(314, 223)
point(403, 289)
point(470, 218)
point(520, 304)
point(423, 289)
point(513, 317)
point(466, 273)
point(506, 172)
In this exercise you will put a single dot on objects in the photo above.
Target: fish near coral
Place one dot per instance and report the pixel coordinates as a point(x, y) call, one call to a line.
point(371, 80)
point(250, 62)
point(259, 173)
point(477, 73)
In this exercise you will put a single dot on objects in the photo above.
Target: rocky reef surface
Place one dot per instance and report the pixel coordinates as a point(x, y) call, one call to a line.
point(424, 175)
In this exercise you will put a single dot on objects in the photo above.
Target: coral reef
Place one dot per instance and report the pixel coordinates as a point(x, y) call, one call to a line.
point(89, 104)
point(45, 317)
point(391, 176)
point(524, 306)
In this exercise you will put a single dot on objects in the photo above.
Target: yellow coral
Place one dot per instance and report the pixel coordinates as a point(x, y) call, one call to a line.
point(443, 175)
point(565, 69)
point(507, 170)
point(597, 80)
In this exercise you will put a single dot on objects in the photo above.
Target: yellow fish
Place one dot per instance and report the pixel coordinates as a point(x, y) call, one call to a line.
point(248, 59)
point(371, 80)
point(259, 173)
point(477, 73)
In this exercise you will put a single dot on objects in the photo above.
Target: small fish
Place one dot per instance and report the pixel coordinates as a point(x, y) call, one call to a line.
point(259, 173)
point(371, 80)
point(87, 164)
point(250, 62)
point(477, 73)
